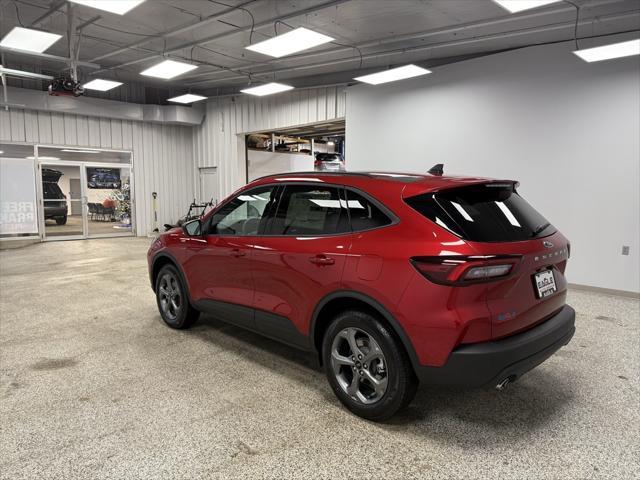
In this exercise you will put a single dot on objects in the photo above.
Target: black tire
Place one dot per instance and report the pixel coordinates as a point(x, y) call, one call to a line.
point(401, 382)
point(167, 298)
point(61, 220)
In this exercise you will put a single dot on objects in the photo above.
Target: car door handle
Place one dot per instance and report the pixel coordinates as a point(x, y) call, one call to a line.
point(322, 260)
point(236, 252)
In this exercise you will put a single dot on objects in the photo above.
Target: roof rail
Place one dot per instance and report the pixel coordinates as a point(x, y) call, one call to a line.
point(289, 174)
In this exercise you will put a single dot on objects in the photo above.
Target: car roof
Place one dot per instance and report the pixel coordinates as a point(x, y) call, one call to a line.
point(409, 183)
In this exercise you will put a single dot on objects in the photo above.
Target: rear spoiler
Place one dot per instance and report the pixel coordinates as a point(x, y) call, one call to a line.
point(448, 183)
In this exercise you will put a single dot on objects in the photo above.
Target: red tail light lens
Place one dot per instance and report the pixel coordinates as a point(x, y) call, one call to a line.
point(464, 270)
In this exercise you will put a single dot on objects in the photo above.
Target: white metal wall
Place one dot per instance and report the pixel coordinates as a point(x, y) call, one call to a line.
point(219, 141)
point(162, 154)
point(566, 129)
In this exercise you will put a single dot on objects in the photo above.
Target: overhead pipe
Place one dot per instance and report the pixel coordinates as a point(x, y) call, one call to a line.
point(218, 36)
point(415, 36)
point(177, 31)
point(396, 51)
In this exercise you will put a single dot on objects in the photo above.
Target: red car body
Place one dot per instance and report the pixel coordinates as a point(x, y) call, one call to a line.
point(464, 333)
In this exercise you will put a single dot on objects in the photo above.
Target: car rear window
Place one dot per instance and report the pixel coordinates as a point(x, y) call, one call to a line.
point(483, 213)
point(51, 190)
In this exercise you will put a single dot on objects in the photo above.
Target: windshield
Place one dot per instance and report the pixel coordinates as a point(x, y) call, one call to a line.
point(483, 213)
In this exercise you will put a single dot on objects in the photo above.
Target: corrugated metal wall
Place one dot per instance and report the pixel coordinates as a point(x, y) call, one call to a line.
point(162, 154)
point(167, 157)
point(219, 142)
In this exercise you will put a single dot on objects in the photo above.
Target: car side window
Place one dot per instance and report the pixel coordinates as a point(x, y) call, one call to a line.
point(364, 214)
point(310, 210)
point(243, 214)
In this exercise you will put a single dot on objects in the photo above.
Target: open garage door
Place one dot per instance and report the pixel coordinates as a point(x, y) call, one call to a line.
point(318, 146)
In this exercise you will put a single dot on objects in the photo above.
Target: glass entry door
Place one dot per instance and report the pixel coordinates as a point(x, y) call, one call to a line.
point(109, 200)
point(86, 200)
point(62, 200)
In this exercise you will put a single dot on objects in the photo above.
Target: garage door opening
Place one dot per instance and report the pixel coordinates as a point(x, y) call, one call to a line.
point(314, 147)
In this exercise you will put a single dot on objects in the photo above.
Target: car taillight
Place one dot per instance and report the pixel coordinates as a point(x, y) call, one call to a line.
point(464, 270)
point(316, 163)
point(483, 273)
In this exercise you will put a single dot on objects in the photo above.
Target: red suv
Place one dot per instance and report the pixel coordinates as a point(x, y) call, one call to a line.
point(392, 279)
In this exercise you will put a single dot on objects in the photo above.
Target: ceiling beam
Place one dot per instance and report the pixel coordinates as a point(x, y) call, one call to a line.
point(10, 72)
point(177, 31)
point(46, 56)
point(433, 46)
point(212, 38)
point(53, 8)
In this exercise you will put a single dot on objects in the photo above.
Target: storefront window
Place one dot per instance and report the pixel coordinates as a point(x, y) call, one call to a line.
point(18, 205)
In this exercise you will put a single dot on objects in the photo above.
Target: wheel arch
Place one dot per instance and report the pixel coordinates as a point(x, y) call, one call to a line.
point(160, 260)
point(342, 300)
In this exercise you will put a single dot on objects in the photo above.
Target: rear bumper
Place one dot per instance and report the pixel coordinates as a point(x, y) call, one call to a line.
point(488, 363)
point(50, 212)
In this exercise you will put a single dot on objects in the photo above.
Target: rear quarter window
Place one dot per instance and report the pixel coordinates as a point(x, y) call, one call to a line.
point(364, 213)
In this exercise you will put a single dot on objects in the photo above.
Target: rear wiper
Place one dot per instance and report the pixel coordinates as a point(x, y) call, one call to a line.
point(539, 229)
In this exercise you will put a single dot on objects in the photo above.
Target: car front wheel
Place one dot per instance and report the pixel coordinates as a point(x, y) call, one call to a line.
point(367, 367)
point(172, 299)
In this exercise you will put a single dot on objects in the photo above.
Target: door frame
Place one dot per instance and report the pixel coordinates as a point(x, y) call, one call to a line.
point(41, 217)
point(83, 199)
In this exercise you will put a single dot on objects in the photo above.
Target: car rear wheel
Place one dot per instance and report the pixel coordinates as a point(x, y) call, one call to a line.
point(61, 220)
point(367, 368)
point(173, 302)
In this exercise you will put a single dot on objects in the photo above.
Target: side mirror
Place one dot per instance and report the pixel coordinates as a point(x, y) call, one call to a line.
point(192, 228)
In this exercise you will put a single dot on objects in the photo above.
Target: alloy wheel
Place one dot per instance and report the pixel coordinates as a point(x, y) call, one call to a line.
point(170, 296)
point(359, 365)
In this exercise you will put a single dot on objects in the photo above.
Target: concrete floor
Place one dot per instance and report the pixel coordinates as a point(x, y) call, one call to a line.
point(94, 385)
point(74, 227)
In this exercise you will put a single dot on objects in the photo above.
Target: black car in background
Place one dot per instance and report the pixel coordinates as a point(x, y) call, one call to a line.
point(55, 202)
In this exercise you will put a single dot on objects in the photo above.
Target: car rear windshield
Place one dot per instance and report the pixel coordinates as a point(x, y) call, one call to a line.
point(483, 213)
point(51, 190)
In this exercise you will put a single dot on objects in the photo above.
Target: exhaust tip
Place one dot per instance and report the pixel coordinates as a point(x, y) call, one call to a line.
point(502, 385)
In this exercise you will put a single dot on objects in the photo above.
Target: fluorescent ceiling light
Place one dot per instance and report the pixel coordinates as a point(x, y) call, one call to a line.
point(101, 85)
point(114, 6)
point(187, 98)
point(168, 69)
point(607, 52)
point(77, 150)
point(290, 42)
point(41, 158)
point(267, 89)
point(29, 40)
point(515, 6)
point(400, 73)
